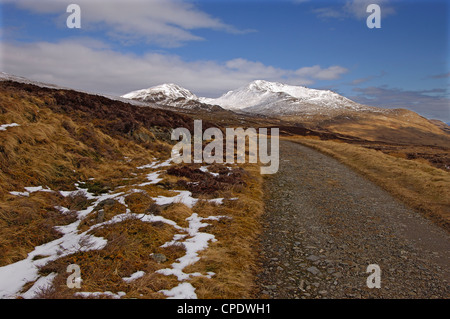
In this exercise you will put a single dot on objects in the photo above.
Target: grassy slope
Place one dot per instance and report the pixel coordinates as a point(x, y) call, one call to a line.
point(397, 126)
point(66, 137)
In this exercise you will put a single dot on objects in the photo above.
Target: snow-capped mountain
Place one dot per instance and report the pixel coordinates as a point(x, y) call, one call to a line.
point(259, 97)
point(272, 98)
point(162, 94)
point(169, 95)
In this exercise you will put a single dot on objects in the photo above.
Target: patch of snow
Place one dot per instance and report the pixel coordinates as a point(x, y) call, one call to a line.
point(30, 190)
point(184, 197)
point(156, 164)
point(153, 179)
point(205, 170)
point(197, 242)
point(5, 126)
point(40, 285)
point(62, 210)
point(14, 276)
point(134, 276)
point(183, 291)
point(210, 274)
point(37, 189)
point(110, 294)
point(142, 217)
point(217, 201)
point(25, 194)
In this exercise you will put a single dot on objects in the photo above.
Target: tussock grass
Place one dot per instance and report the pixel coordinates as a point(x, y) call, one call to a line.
point(26, 223)
point(178, 213)
point(67, 137)
point(415, 182)
point(131, 243)
point(54, 150)
point(202, 183)
point(233, 258)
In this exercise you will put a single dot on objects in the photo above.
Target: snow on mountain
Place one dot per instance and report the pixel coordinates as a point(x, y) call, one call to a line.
point(260, 97)
point(161, 93)
point(272, 98)
point(168, 95)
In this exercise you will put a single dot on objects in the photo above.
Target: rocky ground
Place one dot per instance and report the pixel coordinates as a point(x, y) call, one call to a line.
point(325, 224)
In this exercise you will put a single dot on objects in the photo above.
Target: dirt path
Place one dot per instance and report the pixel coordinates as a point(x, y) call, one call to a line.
point(324, 224)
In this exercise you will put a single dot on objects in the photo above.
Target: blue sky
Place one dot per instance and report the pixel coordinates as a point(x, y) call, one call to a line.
point(212, 46)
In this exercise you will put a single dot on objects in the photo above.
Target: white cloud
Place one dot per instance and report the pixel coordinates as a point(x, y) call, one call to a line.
point(358, 8)
point(316, 72)
point(354, 9)
point(91, 66)
point(165, 22)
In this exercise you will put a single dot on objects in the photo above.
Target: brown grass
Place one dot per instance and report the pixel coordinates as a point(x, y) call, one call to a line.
point(393, 126)
point(55, 150)
point(234, 256)
point(130, 244)
point(28, 223)
point(203, 183)
point(67, 137)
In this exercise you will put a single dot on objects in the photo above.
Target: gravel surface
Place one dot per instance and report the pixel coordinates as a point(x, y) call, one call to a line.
point(325, 224)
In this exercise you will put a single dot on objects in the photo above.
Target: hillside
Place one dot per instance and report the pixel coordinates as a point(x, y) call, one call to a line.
point(394, 126)
point(87, 180)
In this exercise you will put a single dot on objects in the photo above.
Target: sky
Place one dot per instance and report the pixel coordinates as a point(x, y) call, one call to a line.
point(213, 46)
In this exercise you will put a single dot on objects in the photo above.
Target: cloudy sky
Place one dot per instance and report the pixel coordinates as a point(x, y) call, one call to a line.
point(213, 46)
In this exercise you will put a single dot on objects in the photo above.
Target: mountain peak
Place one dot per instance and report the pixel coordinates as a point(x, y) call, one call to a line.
point(169, 90)
point(274, 98)
point(170, 94)
point(263, 85)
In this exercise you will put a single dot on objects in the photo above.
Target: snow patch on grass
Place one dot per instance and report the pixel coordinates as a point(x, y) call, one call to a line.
point(196, 242)
point(14, 276)
point(5, 126)
point(183, 291)
point(40, 285)
point(134, 276)
point(109, 294)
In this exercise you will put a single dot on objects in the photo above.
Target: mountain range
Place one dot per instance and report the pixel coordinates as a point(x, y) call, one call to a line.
point(297, 105)
point(258, 97)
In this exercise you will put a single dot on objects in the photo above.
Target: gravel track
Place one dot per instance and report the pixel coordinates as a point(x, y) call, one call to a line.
point(324, 224)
